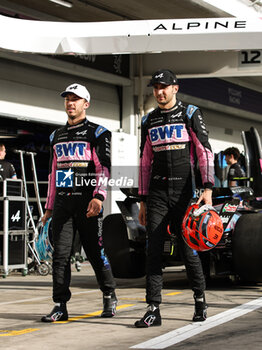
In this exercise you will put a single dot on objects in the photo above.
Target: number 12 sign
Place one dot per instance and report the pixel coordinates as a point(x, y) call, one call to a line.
point(250, 58)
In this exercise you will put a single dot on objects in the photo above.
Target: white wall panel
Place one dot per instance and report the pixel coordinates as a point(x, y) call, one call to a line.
point(225, 129)
point(32, 93)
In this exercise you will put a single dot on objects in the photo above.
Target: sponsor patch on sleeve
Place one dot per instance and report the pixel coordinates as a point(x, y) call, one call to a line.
point(100, 130)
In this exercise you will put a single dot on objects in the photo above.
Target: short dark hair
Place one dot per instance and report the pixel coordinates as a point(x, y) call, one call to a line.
point(232, 150)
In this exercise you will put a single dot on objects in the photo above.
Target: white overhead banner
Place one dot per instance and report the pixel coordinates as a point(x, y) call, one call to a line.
point(145, 36)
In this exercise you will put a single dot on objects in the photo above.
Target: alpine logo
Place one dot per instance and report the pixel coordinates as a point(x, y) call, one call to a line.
point(73, 87)
point(81, 132)
point(16, 217)
point(203, 25)
point(176, 116)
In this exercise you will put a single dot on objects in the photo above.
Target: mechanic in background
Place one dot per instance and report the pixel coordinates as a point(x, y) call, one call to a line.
point(232, 156)
point(169, 136)
point(7, 170)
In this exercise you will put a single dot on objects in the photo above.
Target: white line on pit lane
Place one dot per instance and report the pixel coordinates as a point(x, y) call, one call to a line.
point(192, 329)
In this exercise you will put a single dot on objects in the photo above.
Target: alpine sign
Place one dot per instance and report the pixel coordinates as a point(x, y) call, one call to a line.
point(144, 36)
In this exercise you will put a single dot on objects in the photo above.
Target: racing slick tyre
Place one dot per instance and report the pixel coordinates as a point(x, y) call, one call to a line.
point(247, 247)
point(126, 261)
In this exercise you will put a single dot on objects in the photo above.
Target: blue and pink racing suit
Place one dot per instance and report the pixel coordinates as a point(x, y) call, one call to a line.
point(78, 171)
point(174, 143)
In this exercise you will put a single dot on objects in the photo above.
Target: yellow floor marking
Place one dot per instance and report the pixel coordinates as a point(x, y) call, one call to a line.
point(173, 293)
point(13, 333)
point(96, 313)
point(6, 333)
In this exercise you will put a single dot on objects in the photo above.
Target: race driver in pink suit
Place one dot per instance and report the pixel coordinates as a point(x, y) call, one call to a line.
point(173, 137)
point(79, 168)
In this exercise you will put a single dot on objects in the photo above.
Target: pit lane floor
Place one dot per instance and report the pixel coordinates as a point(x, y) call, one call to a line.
point(24, 299)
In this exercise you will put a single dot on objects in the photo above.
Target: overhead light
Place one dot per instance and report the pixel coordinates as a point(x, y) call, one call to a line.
point(8, 136)
point(62, 3)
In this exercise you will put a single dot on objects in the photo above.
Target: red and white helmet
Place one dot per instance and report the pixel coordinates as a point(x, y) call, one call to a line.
point(202, 227)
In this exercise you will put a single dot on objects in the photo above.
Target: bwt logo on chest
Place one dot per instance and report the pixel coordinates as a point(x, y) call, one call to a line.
point(168, 132)
point(70, 149)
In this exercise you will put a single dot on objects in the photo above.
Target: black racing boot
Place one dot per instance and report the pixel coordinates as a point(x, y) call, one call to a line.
point(200, 313)
point(151, 318)
point(59, 313)
point(110, 302)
